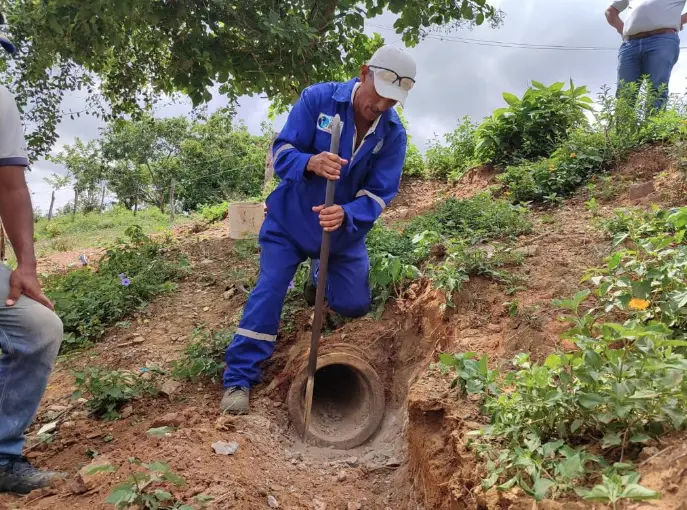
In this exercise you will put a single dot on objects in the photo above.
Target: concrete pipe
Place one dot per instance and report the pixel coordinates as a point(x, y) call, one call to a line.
point(348, 402)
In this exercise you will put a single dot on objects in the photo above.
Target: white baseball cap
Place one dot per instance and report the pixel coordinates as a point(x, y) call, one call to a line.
point(394, 73)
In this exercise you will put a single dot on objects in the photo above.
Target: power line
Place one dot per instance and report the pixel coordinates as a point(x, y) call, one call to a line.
point(507, 44)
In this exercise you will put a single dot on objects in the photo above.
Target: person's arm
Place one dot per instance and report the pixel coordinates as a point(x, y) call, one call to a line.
point(613, 15)
point(683, 20)
point(292, 159)
point(379, 189)
point(15, 204)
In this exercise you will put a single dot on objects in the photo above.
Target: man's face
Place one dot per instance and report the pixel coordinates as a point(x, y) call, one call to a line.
point(367, 102)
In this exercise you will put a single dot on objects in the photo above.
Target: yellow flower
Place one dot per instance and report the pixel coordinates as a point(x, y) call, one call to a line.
point(551, 168)
point(639, 304)
point(573, 155)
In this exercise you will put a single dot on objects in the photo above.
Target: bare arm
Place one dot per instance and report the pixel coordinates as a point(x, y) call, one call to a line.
point(683, 20)
point(17, 219)
point(17, 214)
point(613, 18)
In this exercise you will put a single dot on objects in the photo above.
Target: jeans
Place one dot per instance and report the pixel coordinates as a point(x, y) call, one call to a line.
point(30, 337)
point(654, 56)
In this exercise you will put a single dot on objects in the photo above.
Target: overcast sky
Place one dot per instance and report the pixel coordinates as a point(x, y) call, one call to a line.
point(454, 79)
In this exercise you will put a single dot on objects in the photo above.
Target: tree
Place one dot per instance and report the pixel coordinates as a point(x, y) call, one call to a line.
point(86, 170)
point(147, 152)
point(138, 49)
point(414, 164)
point(57, 182)
point(221, 160)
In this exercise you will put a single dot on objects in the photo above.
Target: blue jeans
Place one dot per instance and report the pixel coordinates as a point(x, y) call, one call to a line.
point(654, 56)
point(30, 337)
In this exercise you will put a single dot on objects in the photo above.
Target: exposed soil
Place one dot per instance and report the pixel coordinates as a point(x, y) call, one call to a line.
point(417, 460)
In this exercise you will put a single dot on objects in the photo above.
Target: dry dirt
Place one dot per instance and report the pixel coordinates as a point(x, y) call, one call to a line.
point(417, 460)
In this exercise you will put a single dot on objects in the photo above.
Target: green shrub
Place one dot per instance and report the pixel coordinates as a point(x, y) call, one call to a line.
point(127, 277)
point(414, 165)
point(472, 219)
point(215, 213)
point(452, 159)
point(570, 165)
point(204, 356)
point(532, 127)
point(580, 417)
point(108, 390)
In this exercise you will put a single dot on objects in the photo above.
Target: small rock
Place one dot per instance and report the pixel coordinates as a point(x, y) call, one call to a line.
point(146, 376)
point(647, 453)
point(272, 502)
point(91, 476)
point(48, 428)
point(318, 504)
point(168, 420)
point(127, 412)
point(352, 461)
point(494, 328)
point(81, 400)
point(225, 423)
point(641, 190)
point(276, 488)
point(206, 262)
point(67, 425)
point(393, 462)
point(354, 506)
point(229, 294)
point(206, 309)
point(262, 492)
point(222, 448)
point(527, 251)
point(170, 387)
point(276, 404)
point(302, 466)
point(138, 340)
point(341, 476)
point(55, 408)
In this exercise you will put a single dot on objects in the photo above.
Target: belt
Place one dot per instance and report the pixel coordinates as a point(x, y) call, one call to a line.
point(642, 35)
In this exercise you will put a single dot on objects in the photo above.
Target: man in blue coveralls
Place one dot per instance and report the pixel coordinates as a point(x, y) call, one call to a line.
point(368, 174)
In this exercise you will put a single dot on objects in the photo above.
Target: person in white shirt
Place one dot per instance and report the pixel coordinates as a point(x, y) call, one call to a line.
point(30, 332)
point(651, 45)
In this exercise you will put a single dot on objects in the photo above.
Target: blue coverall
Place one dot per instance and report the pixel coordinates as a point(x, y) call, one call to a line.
point(291, 232)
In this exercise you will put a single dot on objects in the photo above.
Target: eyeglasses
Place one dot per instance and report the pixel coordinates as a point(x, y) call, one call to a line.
point(390, 76)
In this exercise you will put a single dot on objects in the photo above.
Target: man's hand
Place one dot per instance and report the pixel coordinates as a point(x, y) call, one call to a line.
point(331, 218)
point(326, 165)
point(25, 281)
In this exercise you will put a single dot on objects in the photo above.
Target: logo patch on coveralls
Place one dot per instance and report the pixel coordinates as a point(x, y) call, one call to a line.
point(378, 147)
point(324, 123)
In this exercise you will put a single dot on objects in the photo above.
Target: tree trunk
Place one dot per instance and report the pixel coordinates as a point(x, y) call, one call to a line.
point(52, 203)
point(171, 203)
point(102, 200)
point(135, 204)
point(76, 203)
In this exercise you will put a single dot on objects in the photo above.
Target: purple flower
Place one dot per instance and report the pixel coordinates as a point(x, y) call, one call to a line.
point(292, 285)
point(126, 282)
point(122, 276)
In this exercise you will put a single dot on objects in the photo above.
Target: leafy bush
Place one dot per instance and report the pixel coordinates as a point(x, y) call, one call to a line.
point(215, 213)
point(533, 126)
point(623, 387)
point(570, 165)
point(414, 165)
point(143, 489)
point(108, 390)
point(450, 161)
point(127, 277)
point(204, 356)
point(472, 219)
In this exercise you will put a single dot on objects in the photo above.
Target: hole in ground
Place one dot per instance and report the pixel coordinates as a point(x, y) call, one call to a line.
point(341, 401)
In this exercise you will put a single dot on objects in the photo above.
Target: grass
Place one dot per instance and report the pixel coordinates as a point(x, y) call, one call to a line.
point(96, 230)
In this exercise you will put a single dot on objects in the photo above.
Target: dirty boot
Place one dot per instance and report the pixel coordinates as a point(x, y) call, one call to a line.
point(235, 400)
point(19, 476)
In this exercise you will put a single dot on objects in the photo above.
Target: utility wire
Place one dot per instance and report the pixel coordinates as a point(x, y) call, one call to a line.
point(507, 44)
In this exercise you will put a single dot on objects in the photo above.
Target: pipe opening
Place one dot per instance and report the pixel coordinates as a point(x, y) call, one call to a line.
point(348, 401)
point(341, 401)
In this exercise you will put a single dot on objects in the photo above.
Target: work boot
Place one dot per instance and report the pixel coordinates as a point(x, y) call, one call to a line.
point(235, 400)
point(19, 476)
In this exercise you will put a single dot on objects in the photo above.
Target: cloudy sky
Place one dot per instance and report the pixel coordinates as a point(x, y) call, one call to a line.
point(454, 79)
